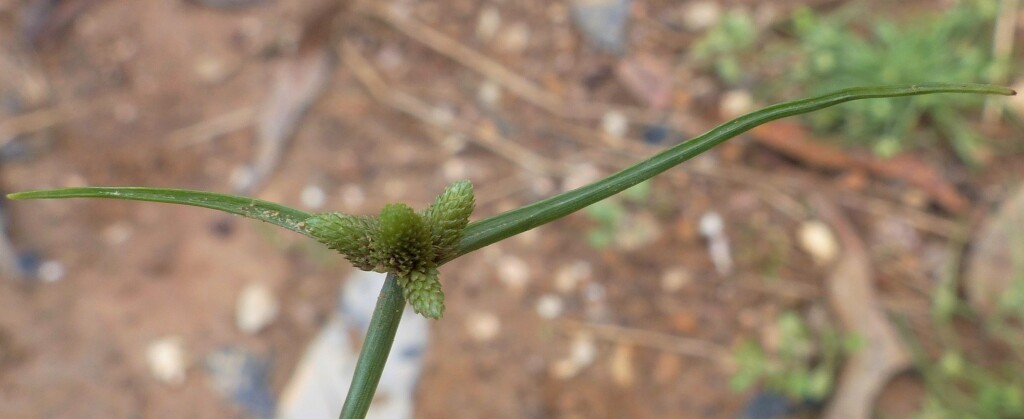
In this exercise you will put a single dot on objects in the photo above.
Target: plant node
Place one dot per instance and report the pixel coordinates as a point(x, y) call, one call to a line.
point(401, 241)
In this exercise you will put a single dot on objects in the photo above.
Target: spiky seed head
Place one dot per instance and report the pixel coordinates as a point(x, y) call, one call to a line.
point(448, 217)
point(404, 240)
point(422, 289)
point(351, 235)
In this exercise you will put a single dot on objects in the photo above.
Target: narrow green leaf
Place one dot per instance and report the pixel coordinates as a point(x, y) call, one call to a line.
point(507, 224)
point(270, 212)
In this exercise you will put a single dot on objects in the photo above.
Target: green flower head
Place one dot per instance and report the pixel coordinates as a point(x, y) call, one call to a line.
point(403, 242)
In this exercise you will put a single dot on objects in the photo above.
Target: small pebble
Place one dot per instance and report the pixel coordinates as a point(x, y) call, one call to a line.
point(701, 15)
point(549, 306)
point(615, 124)
point(735, 103)
point(623, 372)
point(564, 369)
point(488, 23)
point(817, 240)
point(28, 262)
point(51, 271)
point(569, 276)
point(514, 39)
point(390, 59)
point(582, 353)
point(603, 22)
point(656, 134)
point(675, 279)
point(256, 308)
point(712, 227)
point(711, 224)
point(584, 350)
point(166, 359)
point(117, 233)
point(313, 197)
point(241, 177)
point(211, 70)
point(513, 272)
point(489, 93)
point(767, 405)
point(483, 326)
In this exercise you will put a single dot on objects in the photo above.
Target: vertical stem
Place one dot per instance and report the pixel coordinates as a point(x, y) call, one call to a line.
point(376, 347)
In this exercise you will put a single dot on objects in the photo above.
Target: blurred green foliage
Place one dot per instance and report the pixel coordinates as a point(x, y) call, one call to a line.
point(610, 216)
point(958, 388)
point(842, 49)
point(724, 44)
point(954, 45)
point(803, 368)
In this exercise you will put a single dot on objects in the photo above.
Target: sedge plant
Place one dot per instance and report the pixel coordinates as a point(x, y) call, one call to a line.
point(411, 245)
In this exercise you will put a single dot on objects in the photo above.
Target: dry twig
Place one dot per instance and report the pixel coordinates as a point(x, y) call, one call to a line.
point(419, 109)
point(661, 341)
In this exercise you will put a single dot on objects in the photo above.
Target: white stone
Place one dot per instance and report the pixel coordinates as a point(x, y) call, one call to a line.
point(711, 224)
point(817, 240)
point(583, 351)
point(701, 15)
point(51, 271)
point(615, 124)
point(675, 279)
point(211, 69)
point(735, 103)
point(483, 326)
point(166, 359)
point(117, 233)
point(515, 38)
point(549, 306)
point(488, 23)
point(489, 93)
point(241, 177)
point(621, 365)
point(313, 197)
point(712, 227)
point(256, 308)
point(513, 272)
point(569, 276)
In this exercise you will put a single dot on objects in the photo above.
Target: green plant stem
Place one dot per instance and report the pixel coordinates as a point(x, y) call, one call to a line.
point(376, 347)
point(502, 226)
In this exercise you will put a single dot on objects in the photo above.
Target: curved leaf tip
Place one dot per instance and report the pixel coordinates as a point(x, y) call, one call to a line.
point(277, 214)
